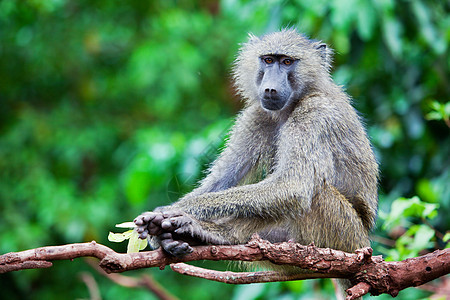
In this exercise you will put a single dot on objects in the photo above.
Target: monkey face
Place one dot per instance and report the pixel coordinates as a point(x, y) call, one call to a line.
point(276, 70)
point(274, 81)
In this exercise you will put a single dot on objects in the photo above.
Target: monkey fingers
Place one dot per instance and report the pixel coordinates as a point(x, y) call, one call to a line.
point(149, 223)
point(146, 217)
point(184, 226)
point(177, 248)
point(178, 222)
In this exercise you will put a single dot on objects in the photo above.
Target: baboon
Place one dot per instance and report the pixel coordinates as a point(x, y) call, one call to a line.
point(297, 166)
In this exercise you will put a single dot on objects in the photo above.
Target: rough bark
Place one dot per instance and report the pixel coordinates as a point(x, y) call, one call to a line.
point(368, 273)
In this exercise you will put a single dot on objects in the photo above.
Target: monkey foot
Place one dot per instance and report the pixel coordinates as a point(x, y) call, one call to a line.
point(177, 248)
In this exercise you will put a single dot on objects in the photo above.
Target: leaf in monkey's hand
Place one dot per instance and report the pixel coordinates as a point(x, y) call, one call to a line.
point(126, 225)
point(135, 244)
point(119, 237)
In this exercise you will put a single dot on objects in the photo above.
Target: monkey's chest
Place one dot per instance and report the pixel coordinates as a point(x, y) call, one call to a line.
point(259, 169)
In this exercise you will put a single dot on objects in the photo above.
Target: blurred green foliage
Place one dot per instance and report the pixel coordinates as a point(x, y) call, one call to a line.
point(111, 108)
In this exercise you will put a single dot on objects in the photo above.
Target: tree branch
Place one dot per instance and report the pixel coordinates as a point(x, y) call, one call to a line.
point(368, 273)
point(144, 281)
point(241, 277)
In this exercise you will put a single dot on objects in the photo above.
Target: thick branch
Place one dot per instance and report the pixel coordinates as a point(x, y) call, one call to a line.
point(368, 273)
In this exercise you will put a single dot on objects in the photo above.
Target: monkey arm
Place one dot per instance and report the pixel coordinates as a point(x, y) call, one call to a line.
point(250, 139)
point(226, 216)
point(303, 160)
point(266, 199)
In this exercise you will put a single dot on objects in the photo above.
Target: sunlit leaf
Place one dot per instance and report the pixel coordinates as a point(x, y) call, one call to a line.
point(446, 237)
point(440, 111)
point(126, 225)
point(414, 207)
point(422, 238)
point(135, 244)
point(120, 237)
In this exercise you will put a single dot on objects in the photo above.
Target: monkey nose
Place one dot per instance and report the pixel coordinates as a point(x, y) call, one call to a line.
point(270, 92)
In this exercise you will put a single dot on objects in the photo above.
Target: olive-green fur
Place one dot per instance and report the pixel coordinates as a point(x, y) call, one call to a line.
point(305, 173)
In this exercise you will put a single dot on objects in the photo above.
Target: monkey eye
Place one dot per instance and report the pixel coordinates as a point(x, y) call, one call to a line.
point(287, 61)
point(268, 60)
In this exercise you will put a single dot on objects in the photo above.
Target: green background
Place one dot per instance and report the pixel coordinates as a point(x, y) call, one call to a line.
point(109, 108)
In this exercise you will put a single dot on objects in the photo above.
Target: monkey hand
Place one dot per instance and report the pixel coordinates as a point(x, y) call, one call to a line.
point(149, 223)
point(173, 230)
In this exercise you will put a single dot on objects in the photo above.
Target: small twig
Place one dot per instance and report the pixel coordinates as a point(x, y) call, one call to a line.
point(241, 277)
point(92, 286)
point(337, 289)
point(438, 234)
point(358, 290)
point(145, 281)
point(383, 240)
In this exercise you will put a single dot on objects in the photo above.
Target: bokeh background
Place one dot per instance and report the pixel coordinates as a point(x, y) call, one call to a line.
point(110, 108)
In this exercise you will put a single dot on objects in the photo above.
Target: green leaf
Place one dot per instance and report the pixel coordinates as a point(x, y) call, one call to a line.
point(422, 238)
point(415, 239)
point(119, 237)
point(135, 244)
point(440, 111)
point(427, 191)
point(446, 237)
point(402, 208)
point(126, 225)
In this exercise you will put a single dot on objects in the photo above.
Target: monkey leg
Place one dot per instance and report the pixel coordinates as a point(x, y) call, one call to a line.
point(333, 222)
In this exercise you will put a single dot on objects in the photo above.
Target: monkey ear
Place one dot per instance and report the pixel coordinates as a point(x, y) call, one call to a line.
point(324, 51)
point(322, 47)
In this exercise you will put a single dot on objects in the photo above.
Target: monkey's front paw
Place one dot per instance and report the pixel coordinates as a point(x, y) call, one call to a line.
point(180, 223)
point(177, 248)
point(149, 223)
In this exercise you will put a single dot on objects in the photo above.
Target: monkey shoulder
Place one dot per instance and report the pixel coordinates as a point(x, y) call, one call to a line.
point(330, 124)
point(320, 111)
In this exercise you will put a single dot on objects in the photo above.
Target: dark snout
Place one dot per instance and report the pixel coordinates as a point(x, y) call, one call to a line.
point(274, 90)
point(270, 93)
